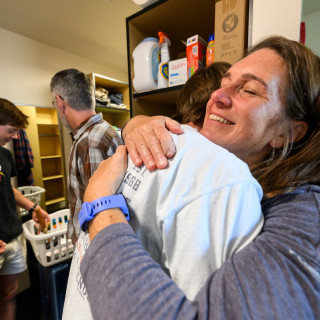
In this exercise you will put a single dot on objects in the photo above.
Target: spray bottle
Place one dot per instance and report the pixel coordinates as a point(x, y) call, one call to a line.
point(163, 73)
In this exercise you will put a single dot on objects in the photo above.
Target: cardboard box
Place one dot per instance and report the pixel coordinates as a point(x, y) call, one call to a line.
point(196, 54)
point(178, 72)
point(230, 30)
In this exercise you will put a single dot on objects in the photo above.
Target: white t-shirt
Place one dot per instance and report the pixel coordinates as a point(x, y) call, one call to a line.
point(190, 216)
point(194, 214)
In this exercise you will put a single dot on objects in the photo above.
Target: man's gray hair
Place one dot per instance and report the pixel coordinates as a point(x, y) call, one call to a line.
point(75, 88)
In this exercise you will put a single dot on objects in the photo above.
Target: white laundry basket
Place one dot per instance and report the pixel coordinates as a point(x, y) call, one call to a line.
point(52, 247)
point(33, 193)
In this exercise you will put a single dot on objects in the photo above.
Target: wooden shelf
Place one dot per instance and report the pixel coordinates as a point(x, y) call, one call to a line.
point(58, 176)
point(111, 109)
point(44, 136)
point(54, 201)
point(165, 95)
point(47, 116)
point(51, 157)
point(115, 116)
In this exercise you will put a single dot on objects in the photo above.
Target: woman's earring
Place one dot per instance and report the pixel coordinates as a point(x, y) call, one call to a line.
point(273, 153)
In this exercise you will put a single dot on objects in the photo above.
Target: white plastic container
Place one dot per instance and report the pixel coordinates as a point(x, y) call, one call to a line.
point(33, 193)
point(146, 58)
point(52, 247)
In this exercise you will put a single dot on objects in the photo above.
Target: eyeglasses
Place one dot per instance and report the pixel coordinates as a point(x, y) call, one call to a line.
point(55, 99)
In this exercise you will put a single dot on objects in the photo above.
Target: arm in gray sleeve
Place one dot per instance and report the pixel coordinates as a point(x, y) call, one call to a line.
point(274, 277)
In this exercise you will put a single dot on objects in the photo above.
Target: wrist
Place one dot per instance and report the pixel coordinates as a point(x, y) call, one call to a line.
point(105, 219)
point(89, 210)
point(30, 211)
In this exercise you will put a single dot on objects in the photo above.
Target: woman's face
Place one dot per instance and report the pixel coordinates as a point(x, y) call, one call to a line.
point(246, 114)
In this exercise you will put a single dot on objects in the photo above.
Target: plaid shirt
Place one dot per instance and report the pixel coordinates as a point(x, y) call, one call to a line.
point(94, 141)
point(24, 159)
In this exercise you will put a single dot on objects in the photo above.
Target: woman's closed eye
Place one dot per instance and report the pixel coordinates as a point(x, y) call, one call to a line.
point(249, 90)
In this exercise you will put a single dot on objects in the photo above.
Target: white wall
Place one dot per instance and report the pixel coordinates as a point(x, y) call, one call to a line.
point(27, 66)
point(26, 69)
point(312, 22)
point(274, 17)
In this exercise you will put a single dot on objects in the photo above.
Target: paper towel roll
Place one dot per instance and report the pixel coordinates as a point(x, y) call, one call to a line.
point(144, 3)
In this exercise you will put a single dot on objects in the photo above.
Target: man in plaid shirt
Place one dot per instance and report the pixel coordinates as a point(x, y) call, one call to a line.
point(93, 138)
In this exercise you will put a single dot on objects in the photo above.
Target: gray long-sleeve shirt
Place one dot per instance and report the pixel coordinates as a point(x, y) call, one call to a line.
point(275, 277)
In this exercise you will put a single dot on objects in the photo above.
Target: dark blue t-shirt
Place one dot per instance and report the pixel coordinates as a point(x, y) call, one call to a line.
point(10, 223)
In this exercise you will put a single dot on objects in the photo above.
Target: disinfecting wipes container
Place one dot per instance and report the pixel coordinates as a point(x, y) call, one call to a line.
point(146, 59)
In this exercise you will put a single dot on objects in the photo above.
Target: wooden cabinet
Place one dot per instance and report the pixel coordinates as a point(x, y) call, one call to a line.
point(179, 19)
point(114, 115)
point(46, 144)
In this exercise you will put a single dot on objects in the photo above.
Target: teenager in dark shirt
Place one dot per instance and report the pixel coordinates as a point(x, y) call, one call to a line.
point(12, 261)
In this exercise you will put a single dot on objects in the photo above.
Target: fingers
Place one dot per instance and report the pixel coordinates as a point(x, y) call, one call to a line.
point(173, 126)
point(34, 216)
point(42, 217)
point(137, 148)
point(159, 143)
point(140, 152)
point(166, 141)
point(149, 142)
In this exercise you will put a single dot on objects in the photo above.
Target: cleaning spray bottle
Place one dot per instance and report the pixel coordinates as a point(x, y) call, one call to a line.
point(163, 73)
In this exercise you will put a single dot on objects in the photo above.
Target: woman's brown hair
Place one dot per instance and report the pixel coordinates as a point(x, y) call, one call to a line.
point(296, 163)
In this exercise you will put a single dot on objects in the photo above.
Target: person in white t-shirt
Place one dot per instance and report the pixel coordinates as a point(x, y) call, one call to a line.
point(164, 204)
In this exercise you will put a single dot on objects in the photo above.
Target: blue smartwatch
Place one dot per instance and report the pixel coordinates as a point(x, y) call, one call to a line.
point(90, 209)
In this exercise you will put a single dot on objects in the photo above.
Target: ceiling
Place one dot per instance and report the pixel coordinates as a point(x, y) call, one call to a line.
point(94, 29)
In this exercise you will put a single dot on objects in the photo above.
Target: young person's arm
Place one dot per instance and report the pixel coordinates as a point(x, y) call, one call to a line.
point(27, 204)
